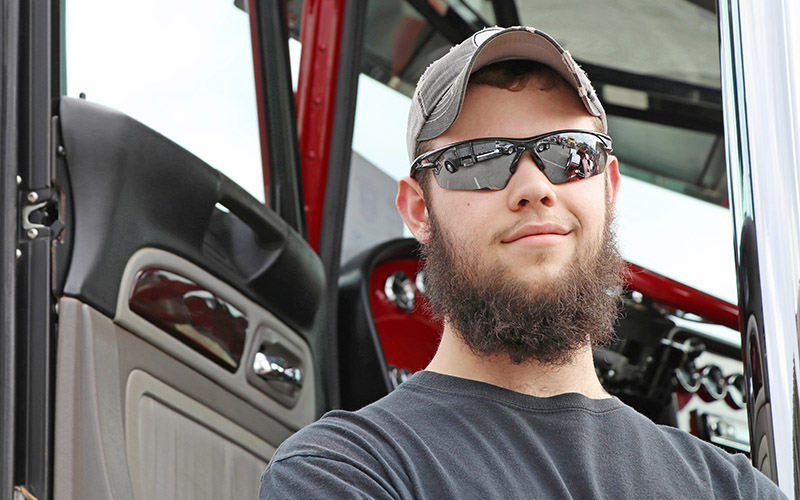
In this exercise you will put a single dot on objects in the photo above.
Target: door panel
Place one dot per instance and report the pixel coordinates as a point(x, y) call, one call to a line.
point(175, 282)
point(265, 333)
point(172, 437)
point(130, 188)
point(131, 420)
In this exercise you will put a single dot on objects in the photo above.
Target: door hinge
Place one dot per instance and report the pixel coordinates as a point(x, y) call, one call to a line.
point(40, 217)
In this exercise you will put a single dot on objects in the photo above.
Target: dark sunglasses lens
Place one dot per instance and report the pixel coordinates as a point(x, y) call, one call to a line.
point(489, 164)
point(487, 174)
point(570, 157)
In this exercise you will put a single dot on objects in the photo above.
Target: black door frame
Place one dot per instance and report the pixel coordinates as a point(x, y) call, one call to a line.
point(30, 85)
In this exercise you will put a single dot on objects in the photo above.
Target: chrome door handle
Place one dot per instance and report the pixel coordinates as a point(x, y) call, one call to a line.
point(271, 367)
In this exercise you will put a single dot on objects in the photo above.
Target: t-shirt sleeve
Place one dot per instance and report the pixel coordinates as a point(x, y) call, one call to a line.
point(750, 482)
point(764, 488)
point(314, 477)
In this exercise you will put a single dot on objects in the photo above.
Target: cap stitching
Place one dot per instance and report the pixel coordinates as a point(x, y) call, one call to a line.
point(432, 117)
point(422, 105)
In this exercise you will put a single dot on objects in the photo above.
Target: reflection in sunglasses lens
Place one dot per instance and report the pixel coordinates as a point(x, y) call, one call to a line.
point(488, 164)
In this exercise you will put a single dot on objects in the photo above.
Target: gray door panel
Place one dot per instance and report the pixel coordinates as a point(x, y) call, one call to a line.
point(188, 317)
point(141, 415)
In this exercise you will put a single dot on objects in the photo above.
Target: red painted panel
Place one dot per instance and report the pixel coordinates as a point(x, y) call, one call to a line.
point(408, 339)
point(316, 92)
point(683, 297)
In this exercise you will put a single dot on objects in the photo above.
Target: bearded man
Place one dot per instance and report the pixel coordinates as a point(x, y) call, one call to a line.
point(512, 191)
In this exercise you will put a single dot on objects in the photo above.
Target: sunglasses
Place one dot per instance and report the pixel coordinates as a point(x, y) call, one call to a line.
point(488, 164)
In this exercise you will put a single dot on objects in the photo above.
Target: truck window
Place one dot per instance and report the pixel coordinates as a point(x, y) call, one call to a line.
point(672, 211)
point(183, 68)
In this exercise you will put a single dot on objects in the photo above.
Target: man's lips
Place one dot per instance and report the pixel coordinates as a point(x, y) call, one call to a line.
point(537, 231)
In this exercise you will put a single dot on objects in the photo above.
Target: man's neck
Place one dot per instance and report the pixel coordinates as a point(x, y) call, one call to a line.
point(453, 357)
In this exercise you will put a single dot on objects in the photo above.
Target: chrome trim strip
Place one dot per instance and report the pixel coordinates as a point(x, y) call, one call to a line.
point(760, 60)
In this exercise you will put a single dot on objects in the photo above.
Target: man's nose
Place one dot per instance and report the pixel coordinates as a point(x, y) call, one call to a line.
point(529, 186)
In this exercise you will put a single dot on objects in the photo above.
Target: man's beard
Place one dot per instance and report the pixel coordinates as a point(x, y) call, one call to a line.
point(496, 313)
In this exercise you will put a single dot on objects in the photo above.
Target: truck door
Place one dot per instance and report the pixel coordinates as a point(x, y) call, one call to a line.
point(185, 322)
point(167, 320)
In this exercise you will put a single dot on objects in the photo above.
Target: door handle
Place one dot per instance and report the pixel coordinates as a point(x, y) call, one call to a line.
point(272, 367)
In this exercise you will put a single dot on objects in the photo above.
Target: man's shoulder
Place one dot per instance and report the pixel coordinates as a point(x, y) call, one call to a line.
point(337, 432)
point(343, 454)
point(340, 434)
point(331, 458)
point(721, 470)
point(666, 441)
point(693, 448)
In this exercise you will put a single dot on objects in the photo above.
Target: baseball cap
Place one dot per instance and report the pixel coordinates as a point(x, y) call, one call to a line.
point(440, 91)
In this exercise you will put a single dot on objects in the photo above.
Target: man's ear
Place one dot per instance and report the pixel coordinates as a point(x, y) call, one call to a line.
point(612, 180)
point(411, 205)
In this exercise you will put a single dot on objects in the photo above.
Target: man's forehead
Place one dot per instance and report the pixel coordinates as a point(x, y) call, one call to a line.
point(527, 111)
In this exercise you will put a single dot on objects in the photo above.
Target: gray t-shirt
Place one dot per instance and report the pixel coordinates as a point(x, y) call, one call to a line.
point(442, 437)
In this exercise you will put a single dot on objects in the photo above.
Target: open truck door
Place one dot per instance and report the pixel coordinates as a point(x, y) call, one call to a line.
point(184, 341)
point(162, 327)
